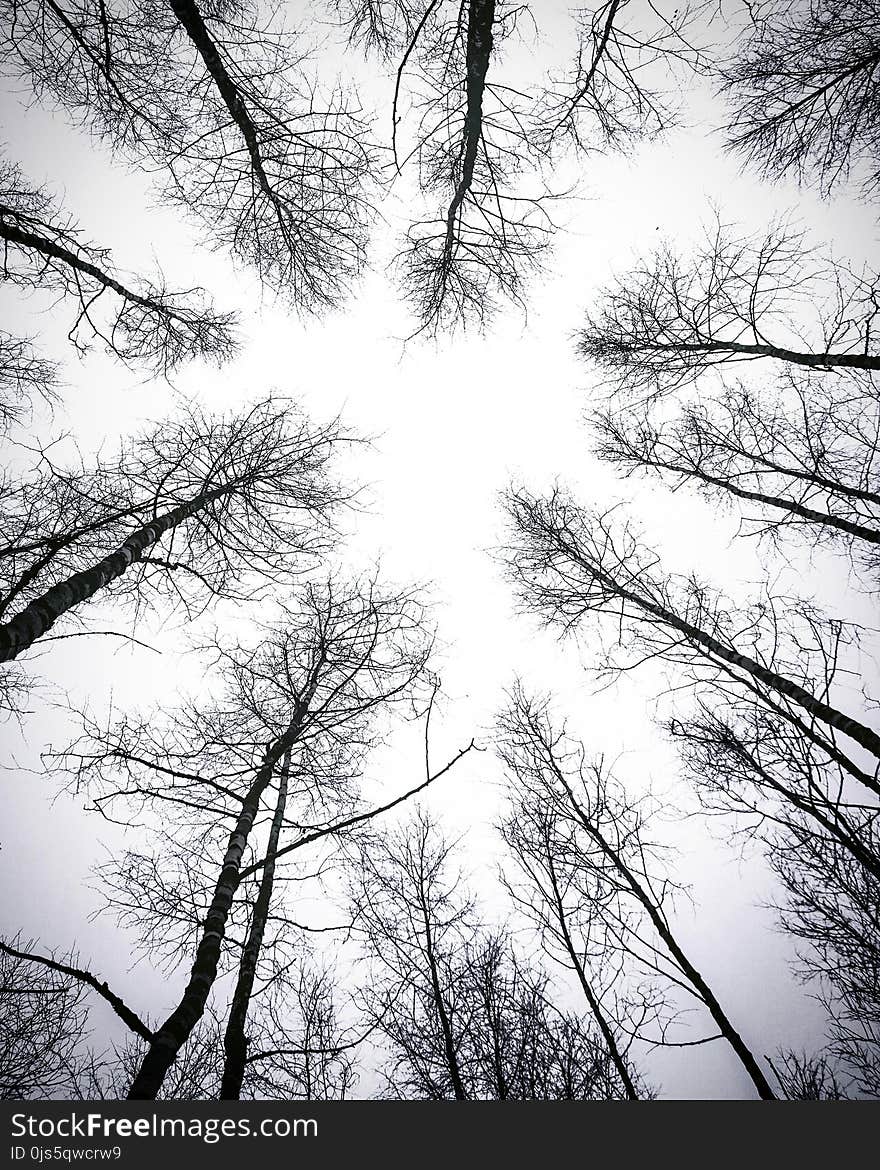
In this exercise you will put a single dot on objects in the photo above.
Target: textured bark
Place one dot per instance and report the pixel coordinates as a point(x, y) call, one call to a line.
point(173, 1034)
point(130, 1018)
point(40, 615)
point(234, 1040)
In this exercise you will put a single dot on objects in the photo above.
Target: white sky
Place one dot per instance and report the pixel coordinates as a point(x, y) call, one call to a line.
point(454, 422)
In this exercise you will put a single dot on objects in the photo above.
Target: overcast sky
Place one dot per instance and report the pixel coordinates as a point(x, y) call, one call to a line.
point(453, 423)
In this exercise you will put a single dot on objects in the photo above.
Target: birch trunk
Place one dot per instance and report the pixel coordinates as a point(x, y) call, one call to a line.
point(20, 632)
point(173, 1034)
point(235, 1041)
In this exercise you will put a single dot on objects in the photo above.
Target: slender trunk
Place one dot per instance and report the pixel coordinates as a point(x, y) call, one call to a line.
point(20, 632)
point(705, 993)
point(235, 1041)
point(440, 1004)
point(699, 984)
point(51, 249)
point(173, 1034)
point(595, 1007)
point(846, 836)
point(781, 502)
point(811, 477)
point(862, 735)
point(686, 967)
point(808, 731)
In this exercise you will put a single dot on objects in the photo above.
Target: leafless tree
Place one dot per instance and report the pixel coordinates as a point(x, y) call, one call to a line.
point(619, 89)
point(805, 93)
point(463, 1017)
point(822, 840)
point(570, 564)
point(314, 684)
point(735, 299)
point(831, 905)
point(482, 141)
point(544, 887)
point(42, 1025)
point(197, 507)
point(194, 1076)
point(235, 1039)
point(762, 743)
point(604, 840)
point(521, 1046)
point(749, 762)
point(42, 248)
point(414, 920)
point(275, 170)
point(305, 1053)
point(470, 141)
point(804, 461)
point(821, 836)
point(24, 375)
point(806, 1078)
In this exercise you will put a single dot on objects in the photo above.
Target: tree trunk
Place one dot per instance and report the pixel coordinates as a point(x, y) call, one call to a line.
point(781, 502)
point(51, 249)
point(862, 735)
point(811, 477)
point(20, 632)
point(173, 1034)
point(704, 991)
point(687, 968)
point(439, 1003)
point(595, 1007)
point(846, 837)
point(190, 18)
point(853, 361)
point(809, 732)
point(235, 1041)
point(481, 15)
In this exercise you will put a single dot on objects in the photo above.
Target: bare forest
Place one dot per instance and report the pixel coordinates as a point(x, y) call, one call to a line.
point(440, 550)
